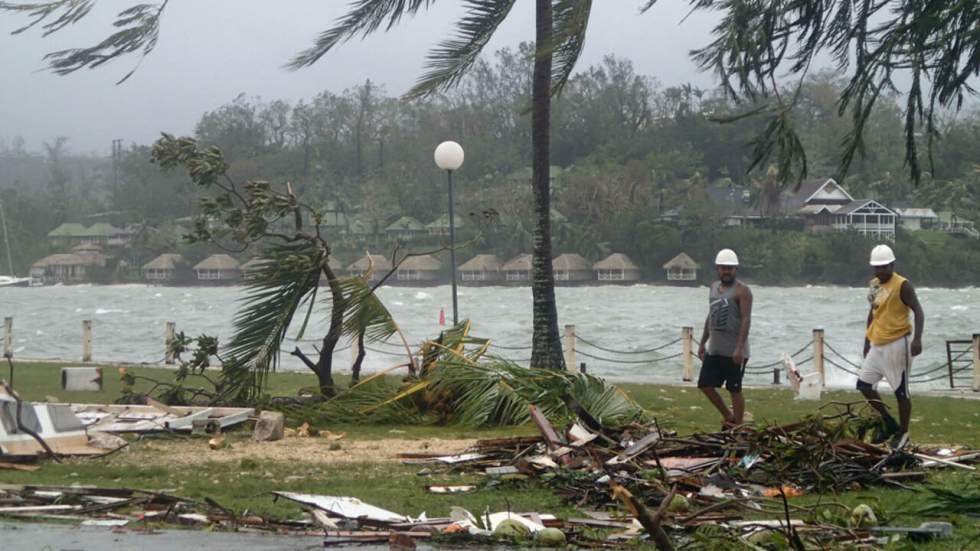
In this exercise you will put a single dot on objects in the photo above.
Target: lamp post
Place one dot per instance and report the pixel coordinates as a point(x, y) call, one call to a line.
point(449, 157)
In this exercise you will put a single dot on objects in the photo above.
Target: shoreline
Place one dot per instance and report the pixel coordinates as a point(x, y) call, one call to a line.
point(587, 284)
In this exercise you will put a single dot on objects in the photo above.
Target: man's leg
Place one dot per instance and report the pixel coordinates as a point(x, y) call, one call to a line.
point(904, 413)
point(874, 400)
point(738, 407)
point(710, 378)
point(717, 401)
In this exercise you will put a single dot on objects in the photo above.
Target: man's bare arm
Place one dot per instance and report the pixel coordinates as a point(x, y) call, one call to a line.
point(744, 296)
point(704, 337)
point(911, 299)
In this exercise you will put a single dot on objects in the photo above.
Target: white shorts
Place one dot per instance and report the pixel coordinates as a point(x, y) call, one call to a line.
point(892, 362)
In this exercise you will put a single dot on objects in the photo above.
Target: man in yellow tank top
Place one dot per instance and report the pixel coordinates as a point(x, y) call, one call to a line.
point(888, 349)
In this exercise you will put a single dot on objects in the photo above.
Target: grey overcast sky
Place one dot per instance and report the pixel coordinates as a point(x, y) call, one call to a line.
point(212, 50)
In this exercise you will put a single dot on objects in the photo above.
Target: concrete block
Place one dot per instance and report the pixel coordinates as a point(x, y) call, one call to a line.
point(269, 427)
point(81, 378)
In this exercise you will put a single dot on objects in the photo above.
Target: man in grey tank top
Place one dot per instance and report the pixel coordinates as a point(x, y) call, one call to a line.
point(724, 348)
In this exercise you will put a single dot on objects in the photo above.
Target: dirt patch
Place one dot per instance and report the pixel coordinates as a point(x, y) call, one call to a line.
point(195, 451)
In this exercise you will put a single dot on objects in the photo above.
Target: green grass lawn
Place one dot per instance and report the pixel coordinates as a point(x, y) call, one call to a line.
point(245, 484)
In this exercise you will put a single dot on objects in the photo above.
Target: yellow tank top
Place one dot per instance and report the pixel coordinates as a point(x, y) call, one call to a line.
point(890, 316)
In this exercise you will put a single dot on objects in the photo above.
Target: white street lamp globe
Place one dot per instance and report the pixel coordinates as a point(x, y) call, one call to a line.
point(449, 156)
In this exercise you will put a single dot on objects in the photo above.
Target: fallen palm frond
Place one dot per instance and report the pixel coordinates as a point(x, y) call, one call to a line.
point(458, 382)
point(499, 392)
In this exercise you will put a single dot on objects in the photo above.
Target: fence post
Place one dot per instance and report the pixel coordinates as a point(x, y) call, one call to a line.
point(169, 334)
point(86, 340)
point(687, 338)
point(8, 337)
point(818, 337)
point(976, 362)
point(569, 347)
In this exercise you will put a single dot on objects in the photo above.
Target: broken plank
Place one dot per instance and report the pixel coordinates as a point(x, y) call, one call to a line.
point(944, 461)
point(545, 428)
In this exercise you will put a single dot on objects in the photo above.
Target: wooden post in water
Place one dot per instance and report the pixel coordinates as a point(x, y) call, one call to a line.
point(818, 356)
point(976, 362)
point(86, 340)
point(8, 337)
point(569, 347)
point(169, 334)
point(687, 338)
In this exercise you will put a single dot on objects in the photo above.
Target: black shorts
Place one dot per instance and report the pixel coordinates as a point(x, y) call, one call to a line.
point(718, 370)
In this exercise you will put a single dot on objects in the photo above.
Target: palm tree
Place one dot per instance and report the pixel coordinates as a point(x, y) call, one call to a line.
point(560, 27)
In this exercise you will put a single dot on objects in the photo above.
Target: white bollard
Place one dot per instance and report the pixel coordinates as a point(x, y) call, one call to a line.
point(86, 340)
point(569, 347)
point(818, 338)
point(8, 337)
point(169, 334)
point(687, 338)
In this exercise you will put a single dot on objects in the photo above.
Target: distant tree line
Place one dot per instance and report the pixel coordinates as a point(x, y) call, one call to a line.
point(628, 149)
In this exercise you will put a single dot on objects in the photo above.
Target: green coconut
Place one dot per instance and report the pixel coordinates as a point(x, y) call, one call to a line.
point(679, 504)
point(550, 537)
point(511, 529)
point(863, 516)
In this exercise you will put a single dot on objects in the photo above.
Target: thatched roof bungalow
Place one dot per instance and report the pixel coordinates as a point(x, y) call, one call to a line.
point(218, 269)
point(165, 268)
point(682, 268)
point(616, 267)
point(66, 267)
point(413, 269)
point(406, 228)
point(518, 269)
point(571, 267)
point(378, 263)
point(482, 268)
point(440, 226)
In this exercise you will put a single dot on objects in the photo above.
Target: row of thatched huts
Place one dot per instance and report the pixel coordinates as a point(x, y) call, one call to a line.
point(217, 269)
point(481, 269)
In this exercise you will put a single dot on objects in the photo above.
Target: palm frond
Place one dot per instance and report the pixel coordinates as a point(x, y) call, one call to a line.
point(139, 30)
point(363, 18)
point(448, 61)
point(276, 290)
point(499, 392)
point(70, 12)
point(364, 312)
point(571, 21)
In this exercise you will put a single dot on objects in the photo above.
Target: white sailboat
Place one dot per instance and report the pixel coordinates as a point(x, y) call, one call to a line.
point(10, 280)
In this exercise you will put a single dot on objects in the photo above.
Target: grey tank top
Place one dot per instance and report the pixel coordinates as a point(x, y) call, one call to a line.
point(724, 321)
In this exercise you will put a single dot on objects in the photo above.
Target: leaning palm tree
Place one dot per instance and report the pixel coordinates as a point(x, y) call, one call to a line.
point(283, 289)
point(560, 27)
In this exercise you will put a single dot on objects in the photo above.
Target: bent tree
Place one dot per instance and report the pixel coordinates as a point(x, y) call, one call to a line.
point(286, 284)
point(560, 29)
point(924, 51)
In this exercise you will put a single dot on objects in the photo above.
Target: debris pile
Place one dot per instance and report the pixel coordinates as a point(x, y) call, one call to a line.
point(738, 481)
point(133, 509)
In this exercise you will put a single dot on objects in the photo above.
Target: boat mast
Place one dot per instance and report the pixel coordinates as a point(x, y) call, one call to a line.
point(6, 242)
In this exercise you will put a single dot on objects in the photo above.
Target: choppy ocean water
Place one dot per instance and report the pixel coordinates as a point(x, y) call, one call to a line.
point(129, 320)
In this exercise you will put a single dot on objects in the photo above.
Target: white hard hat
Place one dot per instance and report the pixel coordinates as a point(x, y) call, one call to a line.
point(882, 255)
point(726, 257)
